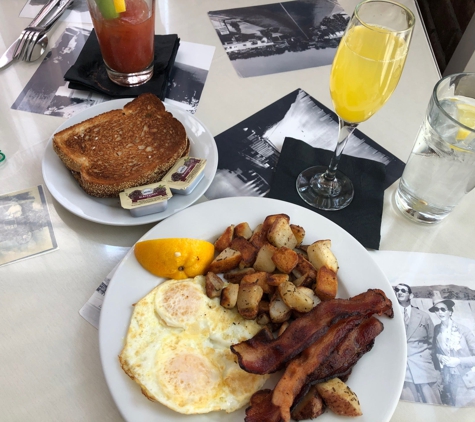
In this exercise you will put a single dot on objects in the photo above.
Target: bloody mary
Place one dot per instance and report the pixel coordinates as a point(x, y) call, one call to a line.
point(126, 39)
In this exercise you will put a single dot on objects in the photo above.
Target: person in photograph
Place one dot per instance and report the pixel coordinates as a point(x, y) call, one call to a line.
point(421, 383)
point(454, 347)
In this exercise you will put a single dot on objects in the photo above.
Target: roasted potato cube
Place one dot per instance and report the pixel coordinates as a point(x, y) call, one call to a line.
point(259, 237)
point(223, 241)
point(320, 254)
point(243, 230)
point(248, 300)
point(229, 296)
point(305, 272)
point(263, 319)
point(299, 233)
point(276, 279)
point(293, 298)
point(247, 249)
point(311, 294)
point(235, 276)
point(280, 234)
point(303, 280)
point(270, 219)
point(213, 285)
point(326, 286)
point(278, 310)
point(226, 260)
point(259, 278)
point(339, 398)
point(310, 407)
point(285, 259)
point(263, 260)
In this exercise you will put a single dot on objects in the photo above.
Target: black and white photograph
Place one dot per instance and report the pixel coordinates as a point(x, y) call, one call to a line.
point(249, 151)
point(188, 76)
point(440, 333)
point(436, 298)
point(48, 93)
point(280, 37)
point(25, 225)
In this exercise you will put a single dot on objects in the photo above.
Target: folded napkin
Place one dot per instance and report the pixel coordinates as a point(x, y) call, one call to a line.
point(362, 218)
point(89, 71)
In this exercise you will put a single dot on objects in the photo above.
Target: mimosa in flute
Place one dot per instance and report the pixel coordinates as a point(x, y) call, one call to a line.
point(366, 70)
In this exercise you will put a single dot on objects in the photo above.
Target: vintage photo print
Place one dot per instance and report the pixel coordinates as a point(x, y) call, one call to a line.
point(280, 37)
point(437, 301)
point(250, 150)
point(48, 93)
point(25, 225)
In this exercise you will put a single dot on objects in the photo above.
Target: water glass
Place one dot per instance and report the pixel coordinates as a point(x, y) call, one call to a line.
point(441, 167)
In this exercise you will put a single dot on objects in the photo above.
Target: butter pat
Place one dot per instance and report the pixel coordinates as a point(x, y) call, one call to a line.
point(183, 177)
point(144, 200)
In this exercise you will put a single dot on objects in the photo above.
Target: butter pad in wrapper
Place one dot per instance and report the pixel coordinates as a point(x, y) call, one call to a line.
point(144, 200)
point(183, 177)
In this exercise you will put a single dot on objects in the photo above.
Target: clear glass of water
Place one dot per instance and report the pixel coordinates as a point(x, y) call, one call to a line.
point(441, 167)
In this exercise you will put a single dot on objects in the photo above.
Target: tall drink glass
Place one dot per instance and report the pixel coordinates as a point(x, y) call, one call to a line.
point(125, 30)
point(441, 167)
point(366, 69)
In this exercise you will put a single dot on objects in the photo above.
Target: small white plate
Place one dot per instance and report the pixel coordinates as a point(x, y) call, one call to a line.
point(70, 195)
point(377, 378)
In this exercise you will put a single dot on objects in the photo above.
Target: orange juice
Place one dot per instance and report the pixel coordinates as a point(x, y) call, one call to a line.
point(365, 71)
point(127, 41)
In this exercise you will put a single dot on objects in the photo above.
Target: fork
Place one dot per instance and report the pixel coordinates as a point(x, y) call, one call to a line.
point(33, 24)
point(30, 38)
point(34, 33)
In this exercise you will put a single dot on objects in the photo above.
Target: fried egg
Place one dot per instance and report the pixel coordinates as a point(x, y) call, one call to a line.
point(178, 350)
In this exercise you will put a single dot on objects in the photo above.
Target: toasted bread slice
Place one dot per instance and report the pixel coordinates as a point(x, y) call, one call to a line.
point(124, 148)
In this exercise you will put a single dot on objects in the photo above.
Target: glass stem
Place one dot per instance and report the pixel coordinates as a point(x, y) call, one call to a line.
point(344, 132)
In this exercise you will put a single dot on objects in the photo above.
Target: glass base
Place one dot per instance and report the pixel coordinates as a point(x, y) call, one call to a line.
point(328, 195)
point(130, 79)
point(418, 210)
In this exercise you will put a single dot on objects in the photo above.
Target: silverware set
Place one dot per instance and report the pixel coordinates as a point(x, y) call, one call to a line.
point(33, 40)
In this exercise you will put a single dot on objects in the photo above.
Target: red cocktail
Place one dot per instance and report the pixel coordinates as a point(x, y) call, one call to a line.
point(125, 38)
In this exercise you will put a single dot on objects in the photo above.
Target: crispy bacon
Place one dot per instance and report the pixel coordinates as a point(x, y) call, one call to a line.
point(340, 363)
point(263, 355)
point(296, 373)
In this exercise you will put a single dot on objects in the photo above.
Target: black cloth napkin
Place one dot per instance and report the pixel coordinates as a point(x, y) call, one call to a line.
point(362, 218)
point(89, 71)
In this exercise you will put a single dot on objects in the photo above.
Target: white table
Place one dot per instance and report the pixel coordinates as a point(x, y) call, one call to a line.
point(50, 367)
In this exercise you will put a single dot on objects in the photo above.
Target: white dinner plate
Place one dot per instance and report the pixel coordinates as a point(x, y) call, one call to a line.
point(377, 378)
point(70, 195)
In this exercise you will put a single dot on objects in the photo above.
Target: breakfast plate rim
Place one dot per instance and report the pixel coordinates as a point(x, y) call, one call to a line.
point(65, 189)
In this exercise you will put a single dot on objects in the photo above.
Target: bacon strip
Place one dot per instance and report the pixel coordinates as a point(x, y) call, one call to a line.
point(345, 356)
point(277, 409)
point(264, 355)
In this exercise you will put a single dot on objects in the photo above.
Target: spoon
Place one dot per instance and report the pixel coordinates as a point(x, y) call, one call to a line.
point(37, 50)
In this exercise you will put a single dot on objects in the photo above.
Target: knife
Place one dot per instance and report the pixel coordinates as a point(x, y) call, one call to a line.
point(8, 56)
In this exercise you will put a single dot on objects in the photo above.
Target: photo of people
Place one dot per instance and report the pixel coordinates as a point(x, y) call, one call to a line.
point(454, 348)
point(440, 333)
point(280, 37)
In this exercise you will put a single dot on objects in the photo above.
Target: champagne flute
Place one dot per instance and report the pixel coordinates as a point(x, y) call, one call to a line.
point(366, 69)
